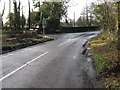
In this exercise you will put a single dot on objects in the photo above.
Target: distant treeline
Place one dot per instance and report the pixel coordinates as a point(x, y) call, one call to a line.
point(79, 29)
point(62, 30)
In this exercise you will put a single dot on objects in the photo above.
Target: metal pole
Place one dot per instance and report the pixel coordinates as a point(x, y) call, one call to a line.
point(87, 21)
point(43, 25)
point(10, 10)
point(74, 20)
point(43, 31)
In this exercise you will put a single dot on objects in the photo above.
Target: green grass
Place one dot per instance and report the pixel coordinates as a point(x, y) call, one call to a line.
point(12, 40)
point(100, 62)
point(105, 55)
point(14, 44)
point(42, 39)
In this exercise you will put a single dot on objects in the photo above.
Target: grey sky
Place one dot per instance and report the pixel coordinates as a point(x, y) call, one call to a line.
point(76, 6)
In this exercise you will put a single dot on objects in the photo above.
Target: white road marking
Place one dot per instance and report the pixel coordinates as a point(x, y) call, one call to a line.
point(22, 66)
point(65, 36)
point(75, 56)
point(64, 43)
point(10, 54)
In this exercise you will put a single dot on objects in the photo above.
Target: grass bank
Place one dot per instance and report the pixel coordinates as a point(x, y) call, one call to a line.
point(11, 42)
point(106, 60)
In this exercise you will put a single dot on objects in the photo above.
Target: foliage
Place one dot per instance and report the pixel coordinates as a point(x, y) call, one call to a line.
point(21, 40)
point(53, 12)
point(106, 14)
point(16, 15)
point(80, 22)
point(106, 58)
point(34, 18)
point(67, 23)
point(11, 20)
point(87, 17)
point(22, 21)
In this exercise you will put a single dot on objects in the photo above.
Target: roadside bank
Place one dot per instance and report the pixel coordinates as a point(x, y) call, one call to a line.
point(106, 60)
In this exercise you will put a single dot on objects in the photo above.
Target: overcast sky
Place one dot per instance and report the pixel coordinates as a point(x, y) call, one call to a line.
point(76, 6)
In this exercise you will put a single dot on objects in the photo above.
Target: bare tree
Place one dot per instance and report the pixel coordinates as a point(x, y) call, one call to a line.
point(29, 19)
point(106, 13)
point(2, 14)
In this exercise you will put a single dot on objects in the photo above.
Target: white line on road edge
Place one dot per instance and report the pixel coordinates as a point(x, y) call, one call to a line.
point(22, 66)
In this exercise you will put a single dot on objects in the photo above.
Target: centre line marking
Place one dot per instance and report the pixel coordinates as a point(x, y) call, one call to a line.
point(22, 66)
point(75, 56)
point(61, 44)
point(64, 43)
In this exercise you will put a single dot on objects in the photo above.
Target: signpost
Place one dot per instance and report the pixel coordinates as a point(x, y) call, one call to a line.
point(43, 25)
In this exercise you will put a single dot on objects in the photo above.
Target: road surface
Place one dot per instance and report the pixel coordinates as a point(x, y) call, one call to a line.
point(53, 64)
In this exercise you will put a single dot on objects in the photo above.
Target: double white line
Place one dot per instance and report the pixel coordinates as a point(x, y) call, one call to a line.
point(22, 66)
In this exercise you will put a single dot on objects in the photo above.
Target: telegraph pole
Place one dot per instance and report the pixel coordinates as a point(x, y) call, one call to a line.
point(87, 20)
point(74, 19)
point(10, 10)
point(29, 15)
point(9, 6)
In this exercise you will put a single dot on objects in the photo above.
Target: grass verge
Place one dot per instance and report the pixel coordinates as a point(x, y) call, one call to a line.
point(21, 41)
point(106, 60)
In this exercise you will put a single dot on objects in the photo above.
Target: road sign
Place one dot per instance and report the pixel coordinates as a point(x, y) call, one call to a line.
point(43, 21)
point(43, 26)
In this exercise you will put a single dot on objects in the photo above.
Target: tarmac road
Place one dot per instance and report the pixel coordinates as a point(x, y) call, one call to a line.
point(53, 64)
